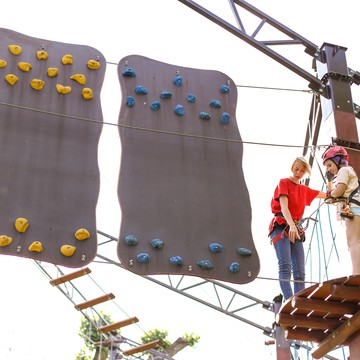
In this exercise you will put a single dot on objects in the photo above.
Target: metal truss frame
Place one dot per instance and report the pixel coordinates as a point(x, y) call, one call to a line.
point(266, 46)
point(224, 296)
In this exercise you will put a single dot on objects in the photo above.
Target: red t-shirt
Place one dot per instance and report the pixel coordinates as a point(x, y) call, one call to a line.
point(299, 196)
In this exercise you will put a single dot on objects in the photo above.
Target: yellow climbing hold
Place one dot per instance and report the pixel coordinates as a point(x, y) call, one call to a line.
point(61, 89)
point(21, 224)
point(68, 250)
point(67, 59)
point(11, 79)
point(80, 78)
point(93, 64)
point(36, 246)
point(42, 55)
point(37, 84)
point(82, 234)
point(52, 72)
point(15, 49)
point(5, 240)
point(87, 93)
point(3, 63)
point(24, 66)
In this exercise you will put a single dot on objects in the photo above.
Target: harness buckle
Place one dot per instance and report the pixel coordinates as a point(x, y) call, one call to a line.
point(346, 212)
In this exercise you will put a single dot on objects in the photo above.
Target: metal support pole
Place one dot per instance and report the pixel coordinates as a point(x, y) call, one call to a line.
point(338, 82)
point(282, 345)
point(338, 85)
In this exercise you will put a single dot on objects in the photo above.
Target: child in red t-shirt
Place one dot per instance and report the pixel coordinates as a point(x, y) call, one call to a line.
point(288, 206)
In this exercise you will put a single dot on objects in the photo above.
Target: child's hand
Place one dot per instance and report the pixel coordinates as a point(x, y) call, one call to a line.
point(293, 233)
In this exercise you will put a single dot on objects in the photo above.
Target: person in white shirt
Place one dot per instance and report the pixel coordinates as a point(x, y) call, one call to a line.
point(344, 185)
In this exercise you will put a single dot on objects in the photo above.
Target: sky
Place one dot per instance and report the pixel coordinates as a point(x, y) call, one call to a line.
point(38, 321)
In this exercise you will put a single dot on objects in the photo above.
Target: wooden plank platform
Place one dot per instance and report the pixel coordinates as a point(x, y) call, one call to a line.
point(327, 313)
point(71, 276)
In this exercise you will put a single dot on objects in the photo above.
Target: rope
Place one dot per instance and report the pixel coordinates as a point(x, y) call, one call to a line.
point(173, 133)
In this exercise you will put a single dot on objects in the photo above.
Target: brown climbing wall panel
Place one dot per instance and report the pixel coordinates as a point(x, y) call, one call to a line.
point(184, 201)
point(48, 157)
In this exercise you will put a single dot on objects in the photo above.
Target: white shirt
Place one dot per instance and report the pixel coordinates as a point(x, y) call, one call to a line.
point(347, 176)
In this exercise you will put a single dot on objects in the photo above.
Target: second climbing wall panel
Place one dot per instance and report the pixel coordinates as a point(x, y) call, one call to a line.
point(185, 207)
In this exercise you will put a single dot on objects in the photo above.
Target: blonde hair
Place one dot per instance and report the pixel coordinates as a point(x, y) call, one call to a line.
point(302, 161)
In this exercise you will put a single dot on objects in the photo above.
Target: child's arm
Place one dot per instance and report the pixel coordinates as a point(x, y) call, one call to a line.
point(338, 190)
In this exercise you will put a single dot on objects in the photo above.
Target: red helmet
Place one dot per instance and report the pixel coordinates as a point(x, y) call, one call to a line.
point(335, 151)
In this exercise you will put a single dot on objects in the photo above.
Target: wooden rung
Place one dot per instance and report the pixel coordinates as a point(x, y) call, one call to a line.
point(144, 347)
point(68, 277)
point(350, 293)
point(95, 301)
point(286, 321)
point(324, 306)
point(106, 342)
point(305, 335)
point(114, 326)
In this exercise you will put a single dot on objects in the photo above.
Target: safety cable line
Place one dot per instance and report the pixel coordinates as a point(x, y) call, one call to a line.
point(116, 304)
point(273, 88)
point(252, 86)
point(333, 236)
point(287, 280)
point(257, 277)
point(98, 122)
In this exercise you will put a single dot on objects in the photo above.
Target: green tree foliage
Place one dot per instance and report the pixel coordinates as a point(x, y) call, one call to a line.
point(89, 333)
point(191, 339)
point(157, 334)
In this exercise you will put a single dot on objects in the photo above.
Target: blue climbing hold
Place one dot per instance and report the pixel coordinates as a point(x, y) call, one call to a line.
point(140, 90)
point(131, 240)
point(244, 251)
point(129, 72)
point(155, 105)
point(130, 101)
point(157, 243)
point(179, 110)
point(205, 264)
point(178, 80)
point(204, 115)
point(216, 248)
point(225, 118)
point(215, 104)
point(234, 267)
point(143, 258)
point(191, 98)
point(166, 95)
point(224, 89)
point(176, 260)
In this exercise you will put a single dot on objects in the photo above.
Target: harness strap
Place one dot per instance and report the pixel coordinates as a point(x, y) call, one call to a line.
point(282, 224)
point(350, 198)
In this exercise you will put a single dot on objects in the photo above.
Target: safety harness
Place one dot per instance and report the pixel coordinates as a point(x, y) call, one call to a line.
point(279, 222)
point(346, 211)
